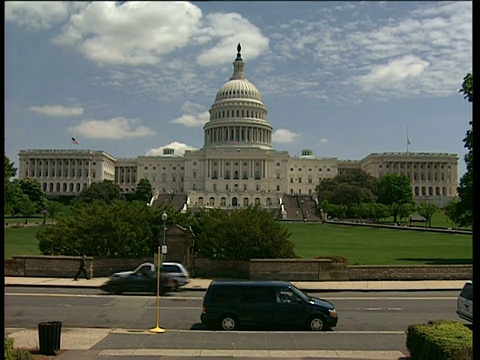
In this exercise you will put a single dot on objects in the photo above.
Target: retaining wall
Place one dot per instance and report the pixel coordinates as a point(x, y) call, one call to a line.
point(278, 269)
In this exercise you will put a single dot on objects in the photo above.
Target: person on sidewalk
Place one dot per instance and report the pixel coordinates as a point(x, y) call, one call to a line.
point(82, 269)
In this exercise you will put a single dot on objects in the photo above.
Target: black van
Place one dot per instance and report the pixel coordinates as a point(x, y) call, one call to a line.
point(229, 304)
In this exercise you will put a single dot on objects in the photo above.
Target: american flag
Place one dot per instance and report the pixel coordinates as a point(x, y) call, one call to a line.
point(75, 141)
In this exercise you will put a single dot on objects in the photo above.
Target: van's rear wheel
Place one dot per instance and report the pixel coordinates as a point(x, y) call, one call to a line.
point(228, 322)
point(316, 323)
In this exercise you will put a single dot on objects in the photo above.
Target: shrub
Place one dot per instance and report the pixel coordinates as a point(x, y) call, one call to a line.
point(440, 340)
point(15, 354)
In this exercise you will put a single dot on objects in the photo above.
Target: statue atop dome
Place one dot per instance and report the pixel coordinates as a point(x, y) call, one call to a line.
point(239, 56)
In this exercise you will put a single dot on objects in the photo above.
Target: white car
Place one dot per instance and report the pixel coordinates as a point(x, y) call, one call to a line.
point(465, 302)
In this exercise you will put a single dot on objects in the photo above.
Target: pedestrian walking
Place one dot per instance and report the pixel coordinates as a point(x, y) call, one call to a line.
point(82, 269)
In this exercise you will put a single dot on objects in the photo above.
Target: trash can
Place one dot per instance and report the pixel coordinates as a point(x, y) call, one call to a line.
point(49, 334)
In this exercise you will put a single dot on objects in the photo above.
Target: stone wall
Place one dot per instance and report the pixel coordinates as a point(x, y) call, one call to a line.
point(279, 269)
point(214, 269)
point(297, 270)
point(67, 266)
point(409, 272)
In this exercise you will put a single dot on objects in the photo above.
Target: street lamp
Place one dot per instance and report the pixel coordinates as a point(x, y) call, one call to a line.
point(157, 329)
point(44, 216)
point(164, 218)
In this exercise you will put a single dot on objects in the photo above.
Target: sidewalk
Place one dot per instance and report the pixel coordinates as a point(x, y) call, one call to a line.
point(202, 284)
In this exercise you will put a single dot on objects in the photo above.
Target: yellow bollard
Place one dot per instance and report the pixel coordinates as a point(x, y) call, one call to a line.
point(157, 329)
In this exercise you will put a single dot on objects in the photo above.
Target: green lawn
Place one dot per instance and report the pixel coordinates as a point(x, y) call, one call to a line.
point(360, 245)
point(377, 246)
point(21, 241)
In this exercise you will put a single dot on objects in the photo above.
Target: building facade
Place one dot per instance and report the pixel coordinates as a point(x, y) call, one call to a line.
point(237, 166)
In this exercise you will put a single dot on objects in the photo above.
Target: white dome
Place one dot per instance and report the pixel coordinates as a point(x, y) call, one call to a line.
point(238, 88)
point(238, 116)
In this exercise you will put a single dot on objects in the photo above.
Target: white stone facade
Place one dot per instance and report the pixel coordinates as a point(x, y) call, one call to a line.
point(237, 165)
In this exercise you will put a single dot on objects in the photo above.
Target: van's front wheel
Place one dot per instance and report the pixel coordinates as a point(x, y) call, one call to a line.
point(228, 322)
point(316, 323)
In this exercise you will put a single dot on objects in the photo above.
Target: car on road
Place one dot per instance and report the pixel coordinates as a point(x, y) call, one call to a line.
point(141, 280)
point(177, 270)
point(465, 302)
point(180, 274)
point(231, 304)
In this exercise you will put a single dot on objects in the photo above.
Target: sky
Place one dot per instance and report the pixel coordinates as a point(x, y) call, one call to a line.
point(344, 79)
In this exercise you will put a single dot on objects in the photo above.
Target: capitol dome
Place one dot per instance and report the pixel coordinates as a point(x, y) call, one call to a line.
point(238, 116)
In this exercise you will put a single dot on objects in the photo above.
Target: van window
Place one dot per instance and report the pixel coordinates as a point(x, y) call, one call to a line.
point(225, 294)
point(259, 295)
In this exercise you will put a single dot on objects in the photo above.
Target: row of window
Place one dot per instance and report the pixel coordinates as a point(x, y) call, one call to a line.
point(234, 201)
point(422, 166)
point(64, 187)
point(59, 174)
point(438, 192)
point(240, 113)
point(73, 162)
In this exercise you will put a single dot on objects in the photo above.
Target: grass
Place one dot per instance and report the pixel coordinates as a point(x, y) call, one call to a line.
point(360, 245)
point(21, 241)
point(378, 246)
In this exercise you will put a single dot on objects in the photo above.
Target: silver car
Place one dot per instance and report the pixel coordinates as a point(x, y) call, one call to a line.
point(178, 271)
point(465, 302)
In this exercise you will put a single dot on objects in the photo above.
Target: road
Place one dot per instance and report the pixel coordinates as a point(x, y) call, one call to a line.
point(358, 312)
point(371, 324)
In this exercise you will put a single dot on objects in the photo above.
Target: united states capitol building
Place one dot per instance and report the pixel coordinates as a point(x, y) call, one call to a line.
point(237, 165)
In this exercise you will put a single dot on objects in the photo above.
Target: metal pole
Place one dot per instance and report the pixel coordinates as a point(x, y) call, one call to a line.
point(164, 238)
point(157, 328)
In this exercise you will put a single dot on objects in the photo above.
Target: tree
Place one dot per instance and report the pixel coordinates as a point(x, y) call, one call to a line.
point(26, 207)
point(394, 190)
point(240, 234)
point(464, 212)
point(427, 210)
point(118, 229)
point(53, 208)
point(9, 169)
point(452, 210)
point(11, 197)
point(351, 188)
point(106, 191)
point(144, 191)
point(32, 188)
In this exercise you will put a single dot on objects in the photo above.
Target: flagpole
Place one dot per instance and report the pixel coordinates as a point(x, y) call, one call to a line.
point(408, 141)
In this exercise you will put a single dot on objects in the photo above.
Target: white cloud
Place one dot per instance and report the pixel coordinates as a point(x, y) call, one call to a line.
point(190, 107)
point(230, 29)
point(284, 136)
point(56, 110)
point(178, 147)
point(323, 141)
point(131, 33)
point(36, 14)
point(192, 120)
point(116, 128)
point(397, 70)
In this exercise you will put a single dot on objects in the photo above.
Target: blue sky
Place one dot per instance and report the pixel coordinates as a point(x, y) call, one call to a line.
point(344, 79)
